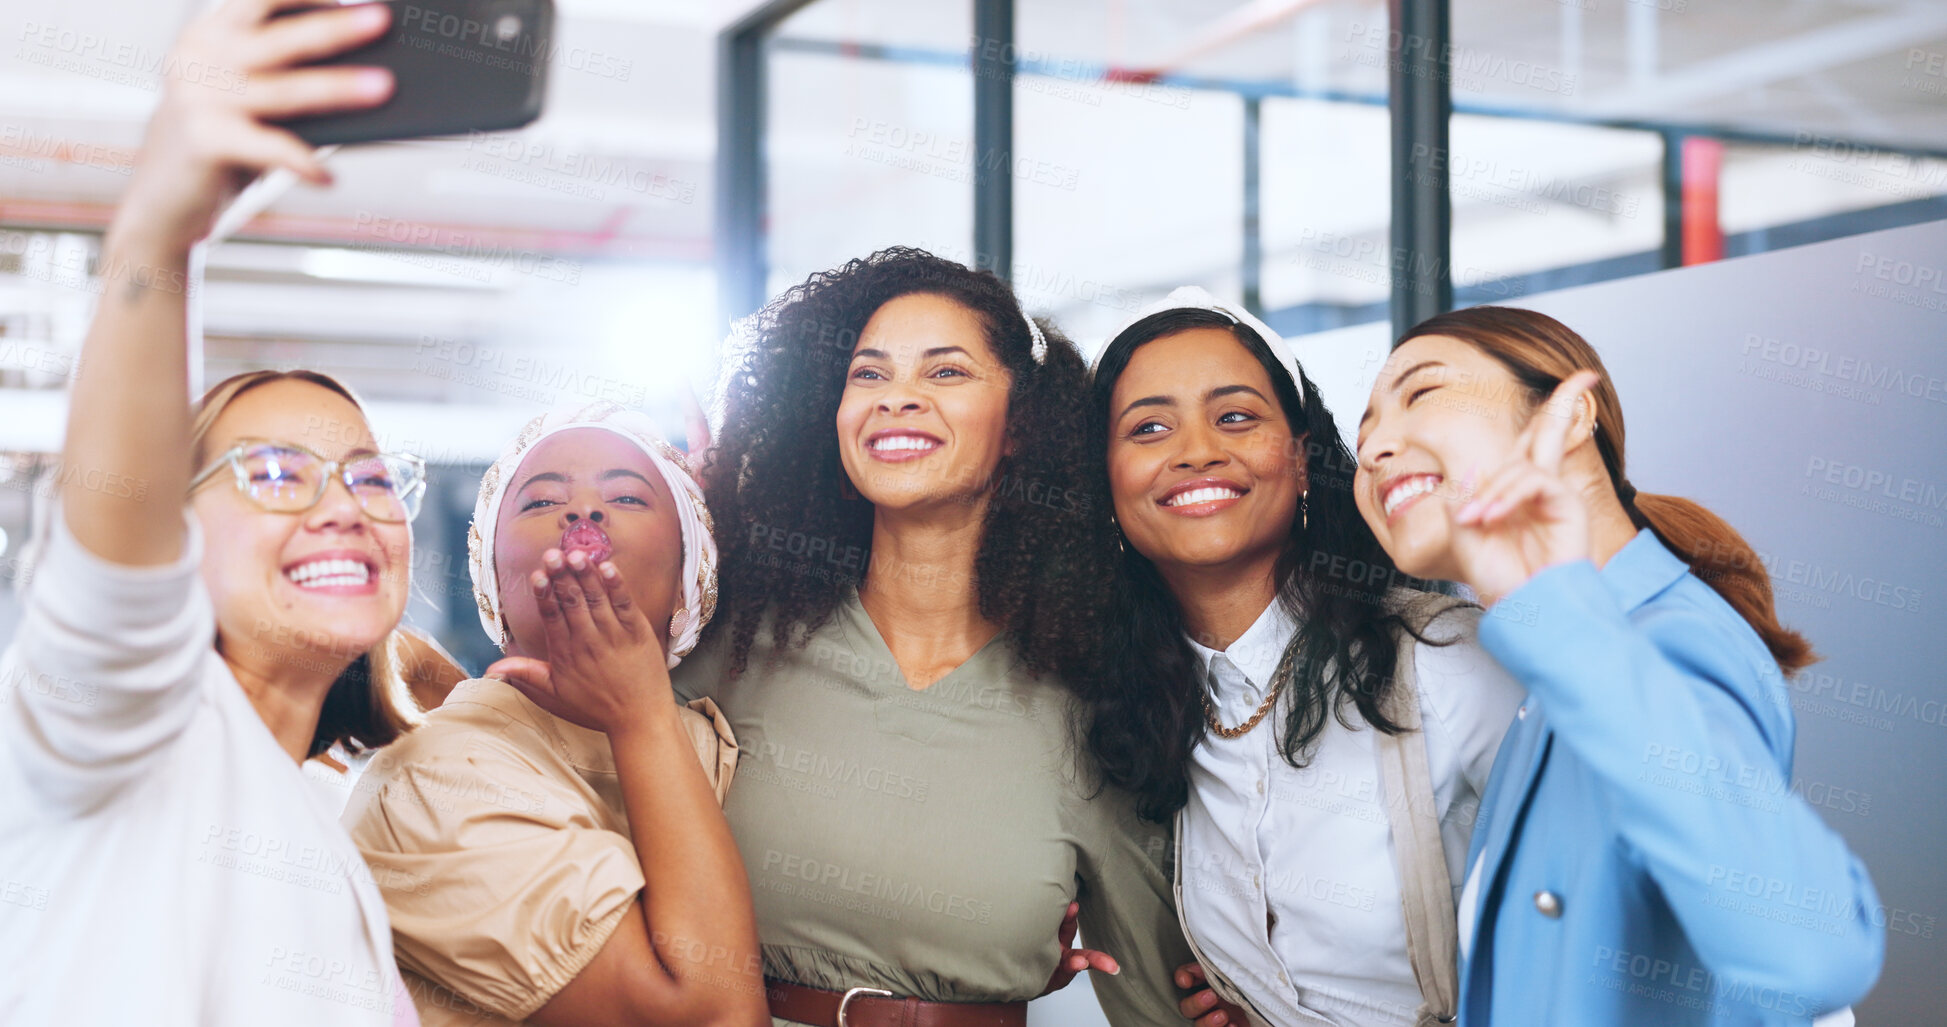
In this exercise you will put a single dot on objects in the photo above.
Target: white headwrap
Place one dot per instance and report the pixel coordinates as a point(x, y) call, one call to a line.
point(699, 574)
point(1191, 297)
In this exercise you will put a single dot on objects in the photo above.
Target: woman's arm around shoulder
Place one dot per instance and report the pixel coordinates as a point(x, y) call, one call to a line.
point(1129, 911)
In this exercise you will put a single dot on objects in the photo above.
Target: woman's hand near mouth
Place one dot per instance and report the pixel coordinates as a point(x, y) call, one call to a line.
point(604, 668)
point(667, 960)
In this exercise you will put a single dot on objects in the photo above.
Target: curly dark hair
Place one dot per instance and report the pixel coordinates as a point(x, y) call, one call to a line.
point(793, 535)
point(1145, 712)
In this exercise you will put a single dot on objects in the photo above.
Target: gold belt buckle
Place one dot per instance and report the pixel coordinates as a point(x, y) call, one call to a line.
point(852, 993)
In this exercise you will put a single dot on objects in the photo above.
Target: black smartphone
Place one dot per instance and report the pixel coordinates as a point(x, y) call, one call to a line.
point(458, 66)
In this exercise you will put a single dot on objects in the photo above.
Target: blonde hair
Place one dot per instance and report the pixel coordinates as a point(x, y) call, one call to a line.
point(369, 705)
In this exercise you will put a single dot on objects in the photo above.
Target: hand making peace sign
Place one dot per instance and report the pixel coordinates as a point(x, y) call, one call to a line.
point(1523, 517)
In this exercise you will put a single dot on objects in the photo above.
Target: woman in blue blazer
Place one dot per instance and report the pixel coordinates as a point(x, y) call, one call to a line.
point(1640, 858)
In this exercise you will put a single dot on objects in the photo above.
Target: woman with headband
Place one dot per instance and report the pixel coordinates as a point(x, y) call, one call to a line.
point(911, 572)
point(1321, 734)
point(550, 849)
point(1641, 858)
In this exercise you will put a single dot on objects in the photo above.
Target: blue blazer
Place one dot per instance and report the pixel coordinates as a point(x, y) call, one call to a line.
point(1642, 857)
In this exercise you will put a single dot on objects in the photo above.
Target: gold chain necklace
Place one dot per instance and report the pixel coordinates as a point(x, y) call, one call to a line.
point(1279, 678)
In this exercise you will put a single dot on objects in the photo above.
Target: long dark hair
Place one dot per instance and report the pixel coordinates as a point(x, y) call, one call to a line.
point(1540, 352)
point(793, 536)
point(1146, 711)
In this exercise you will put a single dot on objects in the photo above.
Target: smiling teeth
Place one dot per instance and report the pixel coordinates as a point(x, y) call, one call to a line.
point(904, 442)
point(1415, 486)
point(1207, 494)
point(329, 573)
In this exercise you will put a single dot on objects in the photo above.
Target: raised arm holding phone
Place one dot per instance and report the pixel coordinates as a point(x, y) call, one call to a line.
point(150, 791)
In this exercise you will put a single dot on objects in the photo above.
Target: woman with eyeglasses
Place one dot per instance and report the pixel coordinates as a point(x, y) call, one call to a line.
point(164, 859)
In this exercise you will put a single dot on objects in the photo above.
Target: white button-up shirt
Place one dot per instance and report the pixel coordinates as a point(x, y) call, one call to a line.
point(1289, 881)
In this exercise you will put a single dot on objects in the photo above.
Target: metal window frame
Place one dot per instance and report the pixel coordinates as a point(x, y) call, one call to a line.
point(994, 57)
point(1419, 100)
point(1420, 227)
point(742, 205)
point(742, 257)
point(1421, 112)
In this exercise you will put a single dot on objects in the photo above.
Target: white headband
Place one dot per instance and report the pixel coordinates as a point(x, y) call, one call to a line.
point(699, 575)
point(1191, 297)
point(1038, 345)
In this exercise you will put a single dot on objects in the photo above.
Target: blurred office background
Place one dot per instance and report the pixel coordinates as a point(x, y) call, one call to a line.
point(698, 156)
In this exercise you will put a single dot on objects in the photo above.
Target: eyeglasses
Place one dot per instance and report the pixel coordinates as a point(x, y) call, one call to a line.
point(284, 477)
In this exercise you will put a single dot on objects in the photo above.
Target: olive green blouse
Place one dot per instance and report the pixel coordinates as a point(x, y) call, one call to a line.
point(928, 841)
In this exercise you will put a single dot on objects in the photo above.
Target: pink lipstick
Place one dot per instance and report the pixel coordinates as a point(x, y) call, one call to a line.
point(587, 537)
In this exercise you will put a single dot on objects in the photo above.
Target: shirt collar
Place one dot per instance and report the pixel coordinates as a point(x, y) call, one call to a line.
point(1257, 651)
point(1640, 569)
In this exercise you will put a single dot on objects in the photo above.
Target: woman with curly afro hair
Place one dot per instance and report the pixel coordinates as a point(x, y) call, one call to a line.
point(911, 576)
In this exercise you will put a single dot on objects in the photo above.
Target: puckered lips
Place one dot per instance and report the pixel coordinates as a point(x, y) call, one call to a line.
point(589, 538)
point(1401, 491)
point(898, 445)
point(342, 572)
point(1201, 497)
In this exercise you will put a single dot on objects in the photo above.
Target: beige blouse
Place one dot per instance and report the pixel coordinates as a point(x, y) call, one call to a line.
point(497, 834)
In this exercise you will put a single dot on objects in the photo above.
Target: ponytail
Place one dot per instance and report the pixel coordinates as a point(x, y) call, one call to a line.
point(1719, 556)
point(1540, 352)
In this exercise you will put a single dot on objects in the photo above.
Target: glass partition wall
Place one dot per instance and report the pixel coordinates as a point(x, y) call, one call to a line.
point(1248, 146)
